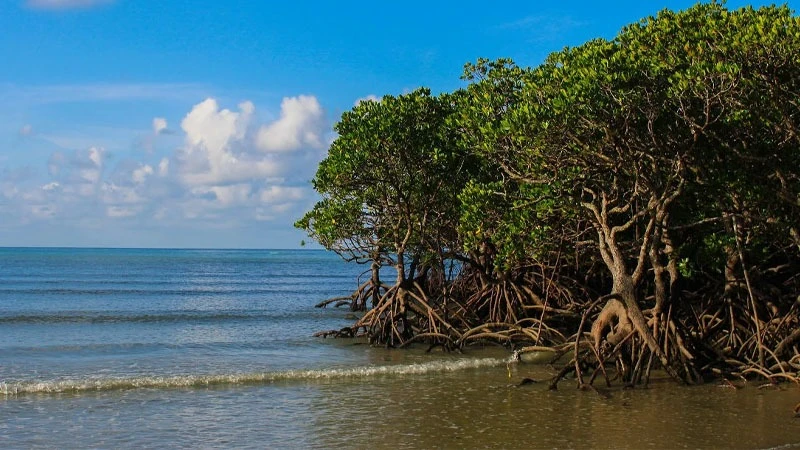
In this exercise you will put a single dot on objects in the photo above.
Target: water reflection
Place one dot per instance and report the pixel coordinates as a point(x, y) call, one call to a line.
point(478, 409)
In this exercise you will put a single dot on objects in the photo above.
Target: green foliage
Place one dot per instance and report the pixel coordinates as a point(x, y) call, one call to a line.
point(390, 180)
point(694, 103)
point(663, 162)
point(686, 268)
point(683, 121)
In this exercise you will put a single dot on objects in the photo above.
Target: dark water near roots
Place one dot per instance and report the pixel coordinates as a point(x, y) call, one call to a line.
point(213, 349)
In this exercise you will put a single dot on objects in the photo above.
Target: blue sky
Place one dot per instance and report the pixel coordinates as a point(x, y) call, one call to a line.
point(142, 123)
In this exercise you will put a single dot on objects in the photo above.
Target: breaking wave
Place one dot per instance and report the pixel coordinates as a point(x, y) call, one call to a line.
point(200, 381)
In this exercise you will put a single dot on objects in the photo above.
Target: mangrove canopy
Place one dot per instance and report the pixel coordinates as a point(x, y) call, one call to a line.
point(633, 203)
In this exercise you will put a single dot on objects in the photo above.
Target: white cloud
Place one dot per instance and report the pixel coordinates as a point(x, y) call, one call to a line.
point(227, 196)
point(26, 130)
point(95, 155)
point(89, 164)
point(301, 124)
point(278, 201)
point(120, 211)
point(222, 177)
point(114, 194)
point(159, 125)
point(209, 127)
point(80, 172)
point(216, 151)
point(369, 98)
point(140, 174)
point(280, 194)
point(65, 4)
point(163, 167)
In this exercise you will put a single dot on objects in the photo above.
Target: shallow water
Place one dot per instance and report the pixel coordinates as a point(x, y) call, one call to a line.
point(415, 405)
point(176, 348)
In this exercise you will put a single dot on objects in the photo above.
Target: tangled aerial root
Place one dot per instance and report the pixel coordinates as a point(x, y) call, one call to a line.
point(744, 334)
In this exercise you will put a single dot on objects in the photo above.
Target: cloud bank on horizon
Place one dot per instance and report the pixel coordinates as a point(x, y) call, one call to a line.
point(227, 170)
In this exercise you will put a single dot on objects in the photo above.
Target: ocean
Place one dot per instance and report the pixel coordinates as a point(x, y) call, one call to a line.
point(155, 348)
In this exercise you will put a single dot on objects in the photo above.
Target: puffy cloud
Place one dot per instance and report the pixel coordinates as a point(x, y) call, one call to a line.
point(280, 194)
point(229, 172)
point(163, 167)
point(140, 174)
point(227, 196)
point(302, 123)
point(159, 125)
point(209, 127)
point(89, 164)
point(82, 166)
point(95, 155)
point(278, 201)
point(369, 98)
point(73, 192)
point(65, 4)
point(216, 151)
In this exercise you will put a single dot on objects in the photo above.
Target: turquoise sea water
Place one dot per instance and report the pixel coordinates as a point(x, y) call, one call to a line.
point(123, 348)
point(96, 315)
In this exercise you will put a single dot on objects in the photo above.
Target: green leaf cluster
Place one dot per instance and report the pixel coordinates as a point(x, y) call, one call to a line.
point(681, 123)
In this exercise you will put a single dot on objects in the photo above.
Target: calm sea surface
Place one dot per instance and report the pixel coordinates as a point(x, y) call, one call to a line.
point(120, 348)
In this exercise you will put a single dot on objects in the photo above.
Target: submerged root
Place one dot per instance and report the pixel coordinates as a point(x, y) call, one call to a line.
point(358, 300)
point(695, 336)
point(338, 301)
point(346, 332)
point(502, 302)
point(405, 315)
point(614, 317)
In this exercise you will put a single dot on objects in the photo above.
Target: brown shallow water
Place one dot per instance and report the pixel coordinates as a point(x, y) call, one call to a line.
point(483, 409)
point(403, 399)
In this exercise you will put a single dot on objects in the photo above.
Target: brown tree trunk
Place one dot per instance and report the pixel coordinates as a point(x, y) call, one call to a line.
point(732, 283)
point(376, 283)
point(672, 268)
point(400, 266)
point(624, 288)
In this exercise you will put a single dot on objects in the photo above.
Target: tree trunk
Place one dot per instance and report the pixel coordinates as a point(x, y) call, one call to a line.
point(624, 288)
point(400, 266)
point(376, 283)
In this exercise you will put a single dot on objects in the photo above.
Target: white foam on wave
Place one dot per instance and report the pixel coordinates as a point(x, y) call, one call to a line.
point(189, 381)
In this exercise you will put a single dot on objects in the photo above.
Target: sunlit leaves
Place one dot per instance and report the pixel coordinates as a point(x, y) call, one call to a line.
point(391, 177)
